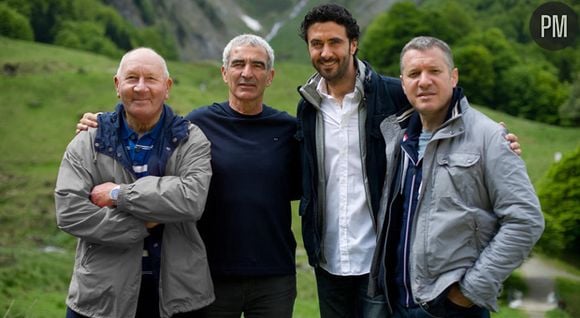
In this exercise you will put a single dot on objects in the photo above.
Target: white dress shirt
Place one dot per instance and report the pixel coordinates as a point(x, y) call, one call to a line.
point(349, 237)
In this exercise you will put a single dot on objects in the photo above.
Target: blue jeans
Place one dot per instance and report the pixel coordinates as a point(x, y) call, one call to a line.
point(255, 297)
point(439, 308)
point(346, 297)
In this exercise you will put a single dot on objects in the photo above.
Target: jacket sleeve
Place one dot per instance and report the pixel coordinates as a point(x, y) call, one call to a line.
point(520, 222)
point(180, 195)
point(76, 214)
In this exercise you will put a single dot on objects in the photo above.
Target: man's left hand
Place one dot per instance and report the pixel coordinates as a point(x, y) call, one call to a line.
point(513, 139)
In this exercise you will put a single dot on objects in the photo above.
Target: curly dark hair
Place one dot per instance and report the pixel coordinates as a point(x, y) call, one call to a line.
point(330, 13)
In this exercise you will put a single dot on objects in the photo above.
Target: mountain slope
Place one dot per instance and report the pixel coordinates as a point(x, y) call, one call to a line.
point(203, 27)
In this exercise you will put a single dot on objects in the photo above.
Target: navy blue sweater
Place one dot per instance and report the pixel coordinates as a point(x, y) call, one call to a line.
point(246, 225)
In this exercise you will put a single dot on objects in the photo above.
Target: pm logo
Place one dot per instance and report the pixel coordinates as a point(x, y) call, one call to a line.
point(554, 26)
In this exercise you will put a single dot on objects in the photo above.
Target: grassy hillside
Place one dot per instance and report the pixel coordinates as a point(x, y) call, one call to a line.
point(41, 103)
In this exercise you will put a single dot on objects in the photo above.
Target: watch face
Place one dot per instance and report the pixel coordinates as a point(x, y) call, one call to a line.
point(114, 194)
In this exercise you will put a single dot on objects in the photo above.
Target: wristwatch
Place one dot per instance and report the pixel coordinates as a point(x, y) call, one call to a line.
point(114, 194)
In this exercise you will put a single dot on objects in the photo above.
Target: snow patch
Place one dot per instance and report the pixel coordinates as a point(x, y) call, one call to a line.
point(251, 23)
point(293, 14)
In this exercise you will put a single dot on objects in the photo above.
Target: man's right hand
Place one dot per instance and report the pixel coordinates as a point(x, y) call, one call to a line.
point(88, 120)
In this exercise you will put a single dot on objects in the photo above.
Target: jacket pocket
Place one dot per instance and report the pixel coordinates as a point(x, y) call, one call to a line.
point(486, 227)
point(459, 174)
point(451, 239)
point(88, 253)
point(458, 160)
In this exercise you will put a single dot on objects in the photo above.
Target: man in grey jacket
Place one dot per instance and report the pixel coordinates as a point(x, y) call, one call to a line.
point(132, 191)
point(458, 212)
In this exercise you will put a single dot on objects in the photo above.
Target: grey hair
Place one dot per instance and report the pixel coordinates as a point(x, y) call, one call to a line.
point(422, 43)
point(150, 50)
point(248, 40)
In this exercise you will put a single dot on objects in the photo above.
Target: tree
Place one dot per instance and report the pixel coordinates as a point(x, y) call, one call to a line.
point(559, 193)
point(88, 36)
point(158, 37)
point(566, 60)
point(45, 15)
point(532, 91)
point(494, 40)
point(388, 33)
point(570, 110)
point(14, 25)
point(476, 74)
point(116, 28)
point(444, 18)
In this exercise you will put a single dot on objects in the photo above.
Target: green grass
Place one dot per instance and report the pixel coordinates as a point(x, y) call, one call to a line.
point(506, 312)
point(33, 283)
point(557, 313)
point(40, 106)
point(568, 293)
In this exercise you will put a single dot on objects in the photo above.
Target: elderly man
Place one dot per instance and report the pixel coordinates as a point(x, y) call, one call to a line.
point(247, 220)
point(458, 212)
point(132, 191)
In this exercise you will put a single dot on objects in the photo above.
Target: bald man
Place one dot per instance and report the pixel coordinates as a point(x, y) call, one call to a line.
point(132, 191)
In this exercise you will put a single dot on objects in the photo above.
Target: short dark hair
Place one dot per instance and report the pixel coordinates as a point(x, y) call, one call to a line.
point(330, 13)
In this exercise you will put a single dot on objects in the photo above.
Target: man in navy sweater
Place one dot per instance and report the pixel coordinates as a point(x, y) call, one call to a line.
point(247, 221)
point(246, 225)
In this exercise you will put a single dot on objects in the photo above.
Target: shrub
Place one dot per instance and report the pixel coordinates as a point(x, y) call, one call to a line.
point(14, 25)
point(559, 194)
point(88, 36)
point(476, 75)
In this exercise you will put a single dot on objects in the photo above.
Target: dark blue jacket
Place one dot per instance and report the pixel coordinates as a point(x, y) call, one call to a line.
point(108, 142)
point(383, 96)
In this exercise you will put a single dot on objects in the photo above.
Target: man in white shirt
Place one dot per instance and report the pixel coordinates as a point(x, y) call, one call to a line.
point(343, 161)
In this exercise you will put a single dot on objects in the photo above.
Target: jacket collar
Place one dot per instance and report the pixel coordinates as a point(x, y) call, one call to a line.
point(309, 93)
point(456, 107)
point(108, 135)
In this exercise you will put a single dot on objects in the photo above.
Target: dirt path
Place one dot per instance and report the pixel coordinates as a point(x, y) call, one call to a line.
point(539, 276)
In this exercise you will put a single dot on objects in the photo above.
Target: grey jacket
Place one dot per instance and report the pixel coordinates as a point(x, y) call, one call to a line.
point(477, 215)
point(107, 269)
